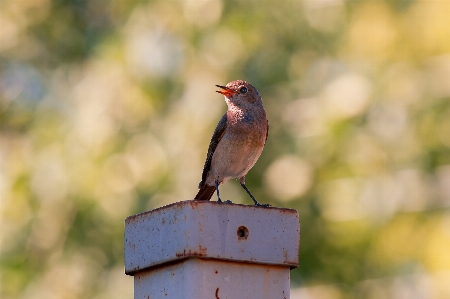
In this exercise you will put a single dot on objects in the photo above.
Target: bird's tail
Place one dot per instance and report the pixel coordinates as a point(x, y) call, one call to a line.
point(205, 192)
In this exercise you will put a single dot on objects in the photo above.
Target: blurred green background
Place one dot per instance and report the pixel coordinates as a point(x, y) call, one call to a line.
point(107, 108)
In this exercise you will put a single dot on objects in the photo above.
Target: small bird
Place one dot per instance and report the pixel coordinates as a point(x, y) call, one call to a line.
point(237, 142)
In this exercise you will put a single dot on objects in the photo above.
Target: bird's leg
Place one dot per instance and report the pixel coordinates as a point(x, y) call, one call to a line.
point(216, 182)
point(252, 197)
point(217, 190)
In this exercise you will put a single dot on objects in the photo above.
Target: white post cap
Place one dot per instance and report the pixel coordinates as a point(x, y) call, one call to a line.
point(211, 230)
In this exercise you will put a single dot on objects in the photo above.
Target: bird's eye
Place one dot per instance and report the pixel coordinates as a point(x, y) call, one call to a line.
point(243, 90)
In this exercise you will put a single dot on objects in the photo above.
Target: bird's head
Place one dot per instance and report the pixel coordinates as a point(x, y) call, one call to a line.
point(240, 93)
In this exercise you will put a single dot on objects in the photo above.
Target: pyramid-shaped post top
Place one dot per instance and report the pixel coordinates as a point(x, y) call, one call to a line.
point(211, 230)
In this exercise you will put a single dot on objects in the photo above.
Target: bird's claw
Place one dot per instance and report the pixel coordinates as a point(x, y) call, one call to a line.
point(225, 201)
point(264, 205)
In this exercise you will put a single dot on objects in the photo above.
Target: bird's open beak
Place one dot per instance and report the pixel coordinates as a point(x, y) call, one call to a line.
point(228, 92)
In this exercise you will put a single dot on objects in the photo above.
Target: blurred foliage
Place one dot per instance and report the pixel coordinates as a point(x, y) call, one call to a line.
point(107, 107)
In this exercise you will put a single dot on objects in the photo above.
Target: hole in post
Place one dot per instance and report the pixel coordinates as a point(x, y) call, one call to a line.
point(242, 233)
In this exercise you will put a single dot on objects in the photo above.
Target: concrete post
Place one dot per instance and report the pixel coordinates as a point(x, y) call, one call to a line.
point(203, 249)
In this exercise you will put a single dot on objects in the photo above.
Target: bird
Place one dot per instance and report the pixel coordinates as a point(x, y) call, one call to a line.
point(237, 141)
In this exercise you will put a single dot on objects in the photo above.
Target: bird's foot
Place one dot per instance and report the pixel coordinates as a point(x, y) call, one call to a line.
point(264, 205)
point(225, 201)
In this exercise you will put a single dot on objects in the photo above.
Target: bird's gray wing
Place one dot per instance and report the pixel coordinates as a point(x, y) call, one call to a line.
point(217, 136)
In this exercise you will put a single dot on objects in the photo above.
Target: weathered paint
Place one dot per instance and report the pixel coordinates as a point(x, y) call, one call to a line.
point(208, 279)
point(210, 230)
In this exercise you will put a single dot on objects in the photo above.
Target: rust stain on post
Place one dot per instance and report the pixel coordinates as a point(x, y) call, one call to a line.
point(286, 256)
point(201, 252)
